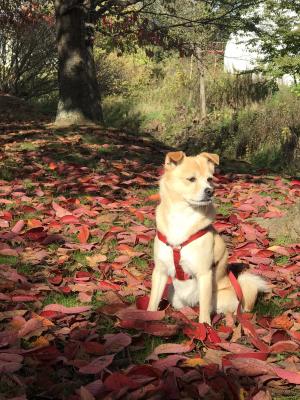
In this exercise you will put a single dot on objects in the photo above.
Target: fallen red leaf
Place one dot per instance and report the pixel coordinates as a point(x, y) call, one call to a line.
point(281, 322)
point(97, 365)
point(83, 234)
point(66, 310)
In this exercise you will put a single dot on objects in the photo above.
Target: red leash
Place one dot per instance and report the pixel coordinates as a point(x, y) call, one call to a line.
point(182, 276)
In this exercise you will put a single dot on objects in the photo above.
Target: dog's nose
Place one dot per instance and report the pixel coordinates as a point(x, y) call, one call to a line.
point(209, 191)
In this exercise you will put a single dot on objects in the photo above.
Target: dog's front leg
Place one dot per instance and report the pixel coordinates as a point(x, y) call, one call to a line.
point(159, 280)
point(205, 296)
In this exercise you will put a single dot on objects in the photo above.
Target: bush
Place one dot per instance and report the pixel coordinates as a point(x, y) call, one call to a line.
point(27, 51)
point(266, 134)
point(246, 120)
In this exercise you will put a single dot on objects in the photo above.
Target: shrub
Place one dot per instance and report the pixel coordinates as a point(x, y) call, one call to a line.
point(266, 134)
point(27, 52)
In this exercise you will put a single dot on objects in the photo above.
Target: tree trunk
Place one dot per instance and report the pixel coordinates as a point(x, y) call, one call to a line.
point(202, 94)
point(79, 96)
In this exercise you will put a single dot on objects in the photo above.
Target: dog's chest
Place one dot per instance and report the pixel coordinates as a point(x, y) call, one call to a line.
point(189, 258)
point(179, 226)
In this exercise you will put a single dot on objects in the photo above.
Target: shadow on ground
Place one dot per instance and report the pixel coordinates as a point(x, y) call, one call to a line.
point(73, 157)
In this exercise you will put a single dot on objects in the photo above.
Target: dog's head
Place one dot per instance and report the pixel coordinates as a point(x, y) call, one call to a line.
point(190, 178)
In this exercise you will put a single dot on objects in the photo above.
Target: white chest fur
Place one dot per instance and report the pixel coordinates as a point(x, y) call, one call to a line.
point(179, 222)
point(195, 258)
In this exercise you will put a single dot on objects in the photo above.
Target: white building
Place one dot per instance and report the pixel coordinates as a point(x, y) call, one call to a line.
point(242, 53)
point(240, 56)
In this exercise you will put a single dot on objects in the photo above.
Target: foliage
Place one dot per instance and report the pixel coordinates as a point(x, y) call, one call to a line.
point(266, 134)
point(27, 51)
point(179, 25)
point(279, 34)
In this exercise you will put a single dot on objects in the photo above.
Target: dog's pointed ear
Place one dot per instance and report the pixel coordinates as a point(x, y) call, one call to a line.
point(173, 159)
point(214, 158)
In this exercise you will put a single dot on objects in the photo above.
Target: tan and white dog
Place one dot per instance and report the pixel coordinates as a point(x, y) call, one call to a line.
point(186, 207)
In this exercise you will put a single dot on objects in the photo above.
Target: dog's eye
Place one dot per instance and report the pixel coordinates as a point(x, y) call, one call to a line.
point(209, 179)
point(192, 179)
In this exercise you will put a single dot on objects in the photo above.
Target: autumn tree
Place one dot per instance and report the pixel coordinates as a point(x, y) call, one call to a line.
point(279, 34)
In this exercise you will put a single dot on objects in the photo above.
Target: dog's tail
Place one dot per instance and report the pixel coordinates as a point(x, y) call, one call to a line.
point(251, 285)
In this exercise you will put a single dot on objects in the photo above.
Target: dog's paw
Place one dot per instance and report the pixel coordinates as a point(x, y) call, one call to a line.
point(205, 319)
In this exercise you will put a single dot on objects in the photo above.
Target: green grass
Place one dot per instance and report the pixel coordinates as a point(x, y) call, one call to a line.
point(273, 195)
point(69, 300)
point(6, 173)
point(150, 342)
point(28, 184)
point(53, 246)
point(282, 241)
point(28, 146)
point(149, 223)
point(106, 325)
point(146, 192)
point(27, 269)
point(8, 387)
point(140, 263)
point(224, 209)
point(130, 299)
point(104, 227)
point(282, 260)
point(272, 308)
point(8, 260)
point(78, 261)
point(105, 150)
point(80, 257)
point(97, 301)
point(28, 215)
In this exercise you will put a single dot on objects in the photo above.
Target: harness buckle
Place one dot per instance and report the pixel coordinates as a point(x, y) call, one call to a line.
point(177, 248)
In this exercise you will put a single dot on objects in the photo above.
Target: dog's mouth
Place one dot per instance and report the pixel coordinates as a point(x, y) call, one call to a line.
point(199, 203)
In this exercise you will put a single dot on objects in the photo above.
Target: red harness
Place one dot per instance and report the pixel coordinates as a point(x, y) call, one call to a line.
point(179, 272)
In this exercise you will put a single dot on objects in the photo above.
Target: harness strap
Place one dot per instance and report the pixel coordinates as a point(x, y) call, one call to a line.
point(179, 272)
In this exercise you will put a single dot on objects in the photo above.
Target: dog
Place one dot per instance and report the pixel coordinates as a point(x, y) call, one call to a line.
point(186, 242)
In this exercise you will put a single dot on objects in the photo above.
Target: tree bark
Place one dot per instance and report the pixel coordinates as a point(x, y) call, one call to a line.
point(79, 96)
point(202, 94)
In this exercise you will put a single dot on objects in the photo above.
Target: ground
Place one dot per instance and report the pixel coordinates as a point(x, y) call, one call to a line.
point(77, 224)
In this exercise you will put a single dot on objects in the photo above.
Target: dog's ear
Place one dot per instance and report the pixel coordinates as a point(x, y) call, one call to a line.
point(174, 158)
point(214, 158)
